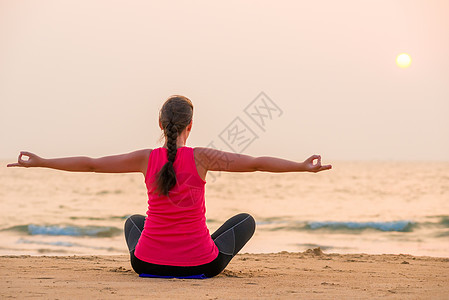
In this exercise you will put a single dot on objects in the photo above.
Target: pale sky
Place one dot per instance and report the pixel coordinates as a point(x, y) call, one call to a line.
point(89, 77)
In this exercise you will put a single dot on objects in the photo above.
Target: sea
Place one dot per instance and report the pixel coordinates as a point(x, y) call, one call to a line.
point(374, 207)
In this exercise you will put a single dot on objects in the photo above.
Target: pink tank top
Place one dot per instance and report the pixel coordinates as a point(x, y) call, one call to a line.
point(175, 231)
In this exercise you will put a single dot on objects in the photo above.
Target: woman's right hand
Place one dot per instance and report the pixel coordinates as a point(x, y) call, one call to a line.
point(311, 166)
point(32, 161)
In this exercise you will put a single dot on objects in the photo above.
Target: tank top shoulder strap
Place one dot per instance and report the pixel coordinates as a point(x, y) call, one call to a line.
point(191, 163)
point(185, 156)
point(155, 156)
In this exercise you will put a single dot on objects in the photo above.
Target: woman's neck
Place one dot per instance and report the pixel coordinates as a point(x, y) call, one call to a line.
point(181, 140)
point(177, 146)
point(179, 143)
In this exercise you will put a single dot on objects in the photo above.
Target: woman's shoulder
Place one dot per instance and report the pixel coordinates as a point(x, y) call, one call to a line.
point(199, 152)
point(204, 152)
point(206, 156)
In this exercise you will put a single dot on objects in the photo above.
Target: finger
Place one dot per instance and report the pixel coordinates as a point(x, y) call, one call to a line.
point(26, 153)
point(326, 167)
point(13, 165)
point(19, 159)
point(313, 157)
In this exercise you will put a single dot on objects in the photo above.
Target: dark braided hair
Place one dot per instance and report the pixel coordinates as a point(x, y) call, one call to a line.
point(174, 116)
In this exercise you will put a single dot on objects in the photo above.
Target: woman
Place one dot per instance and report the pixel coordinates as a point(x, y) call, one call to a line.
point(173, 239)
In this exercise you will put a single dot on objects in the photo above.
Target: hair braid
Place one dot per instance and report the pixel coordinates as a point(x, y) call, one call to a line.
point(172, 137)
point(175, 115)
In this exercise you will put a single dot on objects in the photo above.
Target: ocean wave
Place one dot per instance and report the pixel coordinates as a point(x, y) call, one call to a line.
point(444, 220)
point(399, 226)
point(338, 226)
point(100, 218)
point(64, 244)
point(94, 231)
point(433, 223)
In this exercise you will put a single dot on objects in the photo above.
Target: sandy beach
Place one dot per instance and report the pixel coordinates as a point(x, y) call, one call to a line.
point(311, 274)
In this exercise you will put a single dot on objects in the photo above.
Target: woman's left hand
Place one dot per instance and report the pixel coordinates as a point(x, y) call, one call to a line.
point(32, 161)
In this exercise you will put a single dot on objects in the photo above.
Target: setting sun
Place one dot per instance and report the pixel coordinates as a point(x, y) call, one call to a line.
point(403, 60)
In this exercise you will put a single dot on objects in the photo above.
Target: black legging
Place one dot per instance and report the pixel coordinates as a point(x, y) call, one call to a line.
point(229, 238)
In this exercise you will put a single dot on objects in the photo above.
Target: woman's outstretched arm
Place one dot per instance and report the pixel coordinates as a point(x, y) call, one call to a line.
point(136, 161)
point(216, 160)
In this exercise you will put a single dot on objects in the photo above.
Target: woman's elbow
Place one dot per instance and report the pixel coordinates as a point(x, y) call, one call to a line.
point(91, 165)
point(256, 164)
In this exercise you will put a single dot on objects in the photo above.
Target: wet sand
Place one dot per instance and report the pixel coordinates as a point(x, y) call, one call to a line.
point(310, 274)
